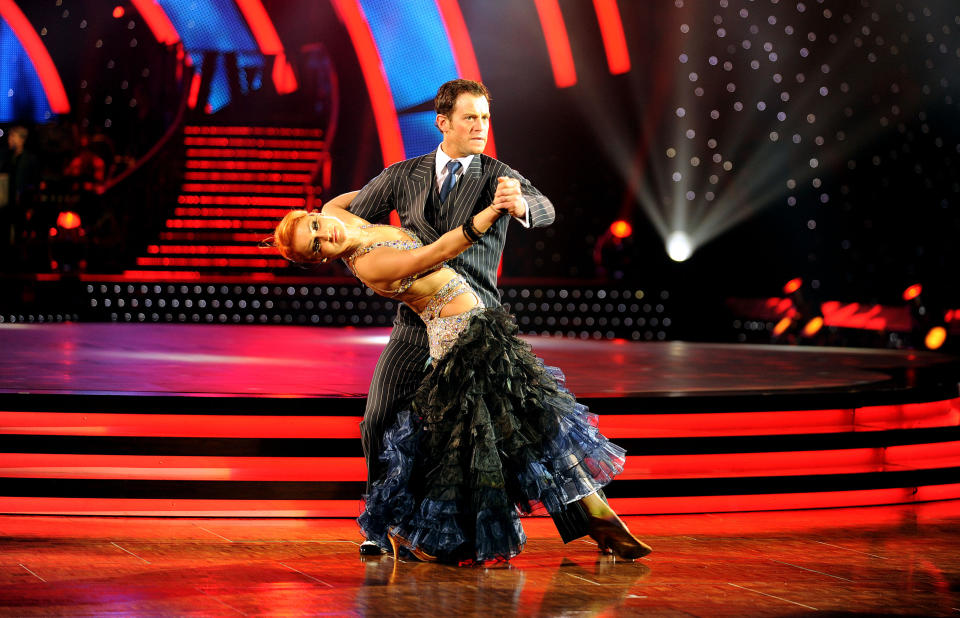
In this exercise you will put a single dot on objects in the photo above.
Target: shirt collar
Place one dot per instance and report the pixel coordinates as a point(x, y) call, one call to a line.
point(443, 158)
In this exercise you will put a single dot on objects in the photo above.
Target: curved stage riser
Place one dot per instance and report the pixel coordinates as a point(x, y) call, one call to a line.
point(107, 458)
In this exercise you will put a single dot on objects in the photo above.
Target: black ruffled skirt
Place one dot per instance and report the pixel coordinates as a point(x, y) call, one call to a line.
point(491, 433)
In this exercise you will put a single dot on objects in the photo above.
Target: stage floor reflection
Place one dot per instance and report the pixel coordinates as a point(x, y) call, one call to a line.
point(304, 361)
point(877, 561)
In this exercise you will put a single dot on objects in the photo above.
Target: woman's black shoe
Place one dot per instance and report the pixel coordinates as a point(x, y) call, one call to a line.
point(369, 548)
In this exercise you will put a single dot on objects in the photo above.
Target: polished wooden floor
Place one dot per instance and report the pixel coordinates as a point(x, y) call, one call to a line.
point(897, 560)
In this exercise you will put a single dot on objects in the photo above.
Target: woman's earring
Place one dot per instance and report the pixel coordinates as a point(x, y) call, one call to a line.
point(323, 261)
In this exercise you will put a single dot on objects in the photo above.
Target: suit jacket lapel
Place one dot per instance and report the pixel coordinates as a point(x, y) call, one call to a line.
point(464, 196)
point(422, 181)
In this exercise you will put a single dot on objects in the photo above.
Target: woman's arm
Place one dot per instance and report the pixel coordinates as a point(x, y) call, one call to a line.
point(386, 265)
point(376, 199)
point(337, 207)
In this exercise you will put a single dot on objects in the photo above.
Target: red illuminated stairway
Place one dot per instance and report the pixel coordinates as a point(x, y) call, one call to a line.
point(238, 182)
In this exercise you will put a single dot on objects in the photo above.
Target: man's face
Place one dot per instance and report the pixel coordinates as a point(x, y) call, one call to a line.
point(465, 130)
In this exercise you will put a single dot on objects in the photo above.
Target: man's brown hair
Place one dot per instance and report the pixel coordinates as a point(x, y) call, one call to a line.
point(448, 93)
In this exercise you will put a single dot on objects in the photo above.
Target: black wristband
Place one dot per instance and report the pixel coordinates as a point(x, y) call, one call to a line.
point(470, 232)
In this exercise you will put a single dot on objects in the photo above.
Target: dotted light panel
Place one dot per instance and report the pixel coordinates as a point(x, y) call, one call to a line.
point(420, 134)
point(21, 94)
point(417, 58)
point(779, 102)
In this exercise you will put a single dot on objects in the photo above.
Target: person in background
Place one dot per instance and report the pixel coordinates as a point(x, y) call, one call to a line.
point(19, 219)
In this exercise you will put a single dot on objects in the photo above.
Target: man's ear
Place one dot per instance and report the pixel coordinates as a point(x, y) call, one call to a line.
point(443, 123)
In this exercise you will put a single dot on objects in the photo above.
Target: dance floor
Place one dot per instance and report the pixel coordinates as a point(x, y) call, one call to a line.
point(214, 470)
point(878, 561)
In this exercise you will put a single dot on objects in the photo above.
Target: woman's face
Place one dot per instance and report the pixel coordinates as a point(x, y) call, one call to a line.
point(320, 236)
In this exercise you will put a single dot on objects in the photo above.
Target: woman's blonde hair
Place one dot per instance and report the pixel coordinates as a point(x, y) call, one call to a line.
point(282, 239)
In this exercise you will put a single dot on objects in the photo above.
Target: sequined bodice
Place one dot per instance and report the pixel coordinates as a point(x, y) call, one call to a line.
point(442, 331)
point(403, 245)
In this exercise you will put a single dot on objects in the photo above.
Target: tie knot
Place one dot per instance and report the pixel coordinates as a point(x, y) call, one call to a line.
point(453, 166)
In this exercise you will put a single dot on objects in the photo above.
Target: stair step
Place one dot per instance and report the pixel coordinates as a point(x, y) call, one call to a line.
point(238, 182)
point(272, 166)
point(211, 187)
point(256, 142)
point(251, 130)
point(251, 177)
point(251, 153)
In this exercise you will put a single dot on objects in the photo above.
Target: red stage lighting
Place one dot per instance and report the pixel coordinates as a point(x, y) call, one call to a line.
point(935, 337)
point(614, 42)
point(813, 326)
point(118, 11)
point(558, 43)
point(782, 326)
point(621, 229)
point(792, 286)
point(912, 292)
point(68, 220)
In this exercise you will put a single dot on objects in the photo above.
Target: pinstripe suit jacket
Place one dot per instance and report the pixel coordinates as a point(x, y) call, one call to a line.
point(406, 187)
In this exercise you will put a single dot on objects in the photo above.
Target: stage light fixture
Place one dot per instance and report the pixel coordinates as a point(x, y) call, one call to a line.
point(782, 326)
point(792, 286)
point(813, 327)
point(799, 311)
point(935, 337)
point(118, 11)
point(621, 229)
point(68, 220)
point(679, 247)
point(928, 318)
point(912, 292)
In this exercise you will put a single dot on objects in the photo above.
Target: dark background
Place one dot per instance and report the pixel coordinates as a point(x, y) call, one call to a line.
point(876, 214)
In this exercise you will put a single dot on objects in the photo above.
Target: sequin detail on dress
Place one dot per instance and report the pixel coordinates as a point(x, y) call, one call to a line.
point(443, 331)
point(402, 245)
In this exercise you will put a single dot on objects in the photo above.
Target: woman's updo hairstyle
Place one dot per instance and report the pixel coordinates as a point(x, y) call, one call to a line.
point(282, 239)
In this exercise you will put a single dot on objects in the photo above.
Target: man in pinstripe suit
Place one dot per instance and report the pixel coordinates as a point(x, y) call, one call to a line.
point(469, 181)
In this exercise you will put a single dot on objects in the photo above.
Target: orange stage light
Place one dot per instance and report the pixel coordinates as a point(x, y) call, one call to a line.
point(912, 292)
point(782, 326)
point(792, 286)
point(813, 326)
point(118, 11)
point(935, 337)
point(621, 229)
point(68, 220)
